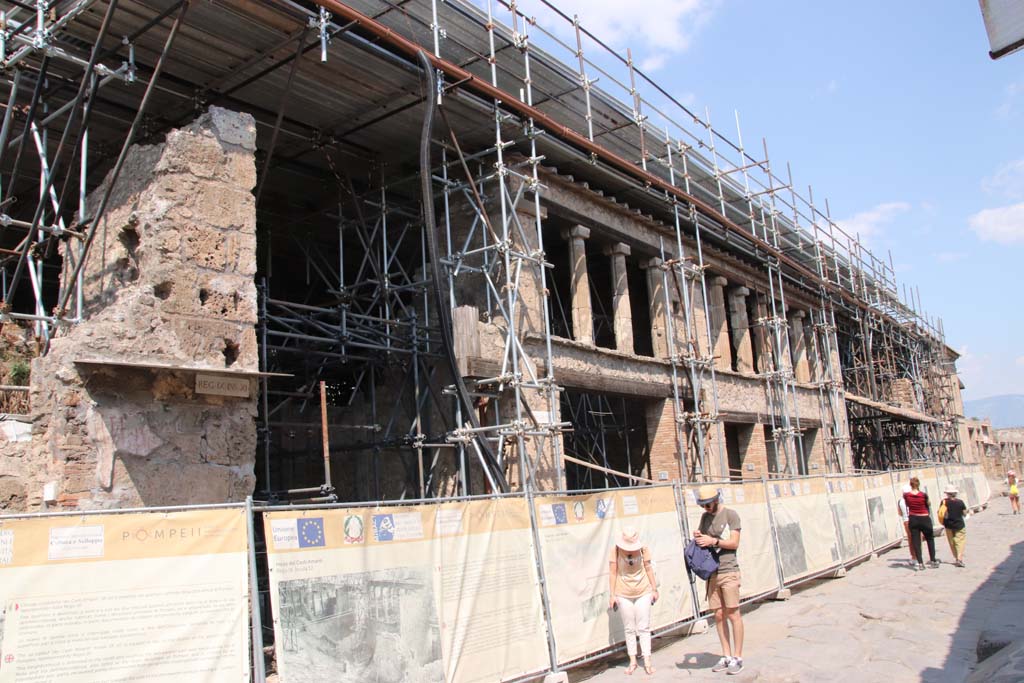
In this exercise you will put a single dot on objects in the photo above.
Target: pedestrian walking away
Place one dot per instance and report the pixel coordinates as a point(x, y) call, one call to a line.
point(952, 514)
point(901, 507)
point(633, 588)
point(719, 529)
point(1014, 493)
point(919, 510)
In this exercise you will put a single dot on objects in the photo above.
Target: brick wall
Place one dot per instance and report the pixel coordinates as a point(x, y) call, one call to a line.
point(661, 435)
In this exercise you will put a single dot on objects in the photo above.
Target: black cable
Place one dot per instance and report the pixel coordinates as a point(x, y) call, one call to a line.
point(440, 303)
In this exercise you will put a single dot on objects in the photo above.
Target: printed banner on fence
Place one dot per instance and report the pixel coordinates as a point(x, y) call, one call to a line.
point(422, 593)
point(756, 554)
point(577, 535)
point(849, 509)
point(157, 596)
point(883, 514)
point(804, 524)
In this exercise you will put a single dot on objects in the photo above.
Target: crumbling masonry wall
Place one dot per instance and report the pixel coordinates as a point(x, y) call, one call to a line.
point(169, 283)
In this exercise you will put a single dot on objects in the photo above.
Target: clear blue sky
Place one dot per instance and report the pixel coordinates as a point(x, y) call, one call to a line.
point(891, 110)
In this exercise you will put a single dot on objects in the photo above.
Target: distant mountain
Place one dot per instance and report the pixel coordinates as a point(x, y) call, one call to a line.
point(1005, 411)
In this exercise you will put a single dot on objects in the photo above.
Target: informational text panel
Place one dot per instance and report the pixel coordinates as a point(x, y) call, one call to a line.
point(140, 597)
point(417, 594)
point(577, 534)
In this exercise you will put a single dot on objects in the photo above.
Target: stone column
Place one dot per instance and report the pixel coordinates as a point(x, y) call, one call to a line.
point(719, 327)
point(741, 330)
point(582, 312)
point(656, 297)
point(761, 337)
point(698, 313)
point(622, 315)
point(798, 346)
point(815, 364)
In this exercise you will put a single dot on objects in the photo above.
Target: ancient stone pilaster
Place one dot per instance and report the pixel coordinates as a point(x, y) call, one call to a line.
point(582, 311)
point(118, 420)
point(798, 346)
point(720, 347)
point(622, 314)
point(742, 350)
point(659, 314)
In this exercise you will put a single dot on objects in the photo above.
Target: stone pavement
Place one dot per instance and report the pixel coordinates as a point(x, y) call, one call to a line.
point(881, 622)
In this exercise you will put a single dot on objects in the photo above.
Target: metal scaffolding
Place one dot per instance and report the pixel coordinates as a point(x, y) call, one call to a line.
point(400, 154)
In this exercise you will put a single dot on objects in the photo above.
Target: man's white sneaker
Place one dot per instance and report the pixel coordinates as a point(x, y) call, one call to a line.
point(723, 664)
point(735, 666)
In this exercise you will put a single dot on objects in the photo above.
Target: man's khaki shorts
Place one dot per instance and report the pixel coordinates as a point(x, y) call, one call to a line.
point(724, 590)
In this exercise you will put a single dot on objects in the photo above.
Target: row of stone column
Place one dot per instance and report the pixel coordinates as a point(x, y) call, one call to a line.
point(622, 314)
point(750, 344)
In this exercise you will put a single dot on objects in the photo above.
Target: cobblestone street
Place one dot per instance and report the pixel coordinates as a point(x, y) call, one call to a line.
point(881, 622)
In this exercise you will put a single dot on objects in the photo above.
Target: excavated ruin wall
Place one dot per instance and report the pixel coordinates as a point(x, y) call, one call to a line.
point(169, 282)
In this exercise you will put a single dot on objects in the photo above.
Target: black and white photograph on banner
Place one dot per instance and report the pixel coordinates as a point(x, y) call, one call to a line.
point(852, 530)
point(791, 544)
point(376, 626)
point(877, 521)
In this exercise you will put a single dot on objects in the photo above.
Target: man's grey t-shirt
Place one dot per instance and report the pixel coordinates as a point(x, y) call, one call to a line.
point(721, 525)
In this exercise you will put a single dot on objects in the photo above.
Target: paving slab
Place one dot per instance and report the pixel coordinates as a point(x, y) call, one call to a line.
point(882, 621)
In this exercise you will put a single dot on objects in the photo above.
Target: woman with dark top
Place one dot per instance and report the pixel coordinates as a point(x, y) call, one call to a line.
point(919, 509)
point(956, 529)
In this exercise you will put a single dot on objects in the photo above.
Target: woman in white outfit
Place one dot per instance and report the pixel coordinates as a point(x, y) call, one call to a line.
point(633, 590)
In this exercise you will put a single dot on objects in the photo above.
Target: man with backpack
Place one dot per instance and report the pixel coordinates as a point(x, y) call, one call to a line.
point(719, 531)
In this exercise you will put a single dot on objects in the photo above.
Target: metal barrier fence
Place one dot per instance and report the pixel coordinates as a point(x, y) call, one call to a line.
point(471, 589)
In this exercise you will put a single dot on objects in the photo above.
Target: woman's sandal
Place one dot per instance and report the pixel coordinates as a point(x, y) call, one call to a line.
point(630, 669)
point(648, 669)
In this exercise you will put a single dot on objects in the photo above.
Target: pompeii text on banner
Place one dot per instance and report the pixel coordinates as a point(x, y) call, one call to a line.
point(137, 597)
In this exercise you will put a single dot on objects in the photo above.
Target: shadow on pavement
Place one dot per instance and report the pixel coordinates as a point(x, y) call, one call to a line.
point(980, 610)
point(700, 660)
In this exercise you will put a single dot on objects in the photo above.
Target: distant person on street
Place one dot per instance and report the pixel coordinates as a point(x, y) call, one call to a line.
point(919, 509)
point(953, 521)
point(901, 506)
point(719, 529)
point(633, 589)
point(1011, 479)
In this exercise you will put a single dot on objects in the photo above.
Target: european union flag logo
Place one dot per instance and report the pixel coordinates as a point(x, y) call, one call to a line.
point(311, 532)
point(559, 511)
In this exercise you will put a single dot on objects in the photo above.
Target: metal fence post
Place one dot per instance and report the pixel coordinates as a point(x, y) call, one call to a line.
point(684, 527)
point(867, 510)
point(539, 558)
point(258, 665)
point(835, 523)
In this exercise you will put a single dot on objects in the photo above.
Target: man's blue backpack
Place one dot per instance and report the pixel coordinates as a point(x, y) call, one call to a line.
point(700, 561)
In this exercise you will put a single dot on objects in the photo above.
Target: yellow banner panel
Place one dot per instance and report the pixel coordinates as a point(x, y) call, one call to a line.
point(577, 535)
point(807, 534)
point(421, 593)
point(883, 514)
point(128, 597)
point(756, 554)
point(850, 512)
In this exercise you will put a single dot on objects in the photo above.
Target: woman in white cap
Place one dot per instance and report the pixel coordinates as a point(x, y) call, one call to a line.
point(633, 590)
point(953, 521)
